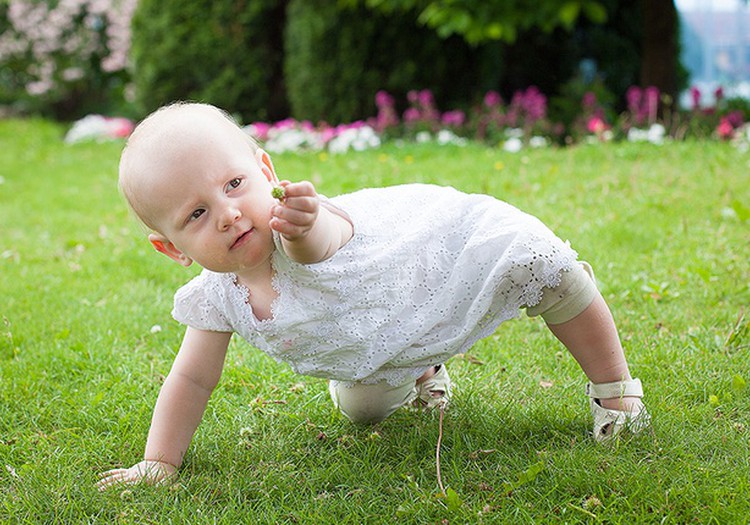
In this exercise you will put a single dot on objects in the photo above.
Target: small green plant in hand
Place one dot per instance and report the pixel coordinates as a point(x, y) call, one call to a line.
point(278, 192)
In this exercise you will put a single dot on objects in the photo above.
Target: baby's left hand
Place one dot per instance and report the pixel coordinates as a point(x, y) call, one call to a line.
point(295, 216)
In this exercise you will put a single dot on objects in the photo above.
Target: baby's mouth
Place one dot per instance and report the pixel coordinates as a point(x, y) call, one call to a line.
point(242, 239)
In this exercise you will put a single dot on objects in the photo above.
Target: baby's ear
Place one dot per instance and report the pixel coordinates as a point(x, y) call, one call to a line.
point(266, 166)
point(165, 246)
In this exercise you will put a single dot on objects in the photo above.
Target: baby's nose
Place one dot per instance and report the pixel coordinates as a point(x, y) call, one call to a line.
point(229, 217)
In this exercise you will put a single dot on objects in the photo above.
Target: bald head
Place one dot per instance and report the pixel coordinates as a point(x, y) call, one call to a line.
point(170, 137)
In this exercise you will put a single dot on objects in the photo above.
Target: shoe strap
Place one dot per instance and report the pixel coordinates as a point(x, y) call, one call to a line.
point(632, 388)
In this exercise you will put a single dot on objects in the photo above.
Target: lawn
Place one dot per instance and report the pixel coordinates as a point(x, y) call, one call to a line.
point(86, 338)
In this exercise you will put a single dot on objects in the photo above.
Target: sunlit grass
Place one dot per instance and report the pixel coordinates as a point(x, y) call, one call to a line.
point(81, 359)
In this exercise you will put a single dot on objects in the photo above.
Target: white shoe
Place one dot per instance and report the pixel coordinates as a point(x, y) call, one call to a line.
point(434, 391)
point(610, 423)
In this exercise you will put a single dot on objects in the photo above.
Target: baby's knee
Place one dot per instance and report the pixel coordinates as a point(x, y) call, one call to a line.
point(576, 291)
point(368, 404)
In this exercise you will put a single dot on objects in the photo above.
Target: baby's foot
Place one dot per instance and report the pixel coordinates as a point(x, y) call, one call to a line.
point(625, 404)
point(433, 389)
point(616, 407)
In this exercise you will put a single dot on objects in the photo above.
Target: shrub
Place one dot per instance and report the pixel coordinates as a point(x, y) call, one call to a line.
point(227, 53)
point(337, 58)
point(64, 58)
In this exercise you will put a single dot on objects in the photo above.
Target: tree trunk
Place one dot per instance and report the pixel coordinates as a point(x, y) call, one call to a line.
point(659, 53)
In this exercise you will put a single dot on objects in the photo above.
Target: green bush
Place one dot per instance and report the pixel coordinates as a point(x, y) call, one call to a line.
point(228, 53)
point(337, 58)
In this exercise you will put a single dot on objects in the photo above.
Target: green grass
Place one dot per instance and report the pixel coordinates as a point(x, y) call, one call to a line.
point(666, 228)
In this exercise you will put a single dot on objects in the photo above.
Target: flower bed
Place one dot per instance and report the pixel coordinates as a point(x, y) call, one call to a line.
point(521, 123)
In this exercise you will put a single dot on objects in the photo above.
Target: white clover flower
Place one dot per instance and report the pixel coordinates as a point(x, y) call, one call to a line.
point(423, 137)
point(513, 145)
point(637, 135)
point(446, 136)
point(656, 133)
point(538, 142)
point(357, 138)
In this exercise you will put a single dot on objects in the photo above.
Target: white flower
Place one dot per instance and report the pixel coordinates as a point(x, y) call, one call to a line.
point(97, 127)
point(446, 136)
point(155, 329)
point(356, 138)
point(656, 134)
point(513, 145)
point(537, 142)
point(423, 136)
point(637, 135)
point(88, 128)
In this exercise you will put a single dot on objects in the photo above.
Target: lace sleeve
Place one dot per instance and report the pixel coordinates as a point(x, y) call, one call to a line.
point(193, 307)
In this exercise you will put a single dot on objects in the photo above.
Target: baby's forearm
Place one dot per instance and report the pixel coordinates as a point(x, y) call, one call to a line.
point(329, 233)
point(177, 414)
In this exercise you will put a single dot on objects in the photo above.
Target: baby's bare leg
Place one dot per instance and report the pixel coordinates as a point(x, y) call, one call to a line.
point(591, 338)
point(577, 314)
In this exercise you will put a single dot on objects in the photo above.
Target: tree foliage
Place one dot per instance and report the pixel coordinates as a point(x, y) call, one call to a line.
point(486, 20)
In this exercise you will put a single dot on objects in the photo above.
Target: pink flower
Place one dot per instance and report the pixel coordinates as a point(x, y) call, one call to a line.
point(454, 118)
point(492, 99)
point(425, 98)
point(736, 118)
point(288, 123)
point(411, 115)
point(327, 134)
point(596, 125)
point(725, 130)
point(260, 130)
point(120, 127)
point(695, 94)
point(534, 103)
point(589, 100)
point(412, 96)
point(652, 102)
point(719, 94)
point(383, 99)
point(633, 96)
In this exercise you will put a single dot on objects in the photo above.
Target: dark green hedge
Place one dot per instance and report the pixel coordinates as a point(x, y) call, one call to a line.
point(337, 59)
point(313, 59)
point(228, 53)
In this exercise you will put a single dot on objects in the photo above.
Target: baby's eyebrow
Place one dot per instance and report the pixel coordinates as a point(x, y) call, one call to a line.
point(184, 212)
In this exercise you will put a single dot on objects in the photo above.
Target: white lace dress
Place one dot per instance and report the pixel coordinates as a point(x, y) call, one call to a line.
point(428, 272)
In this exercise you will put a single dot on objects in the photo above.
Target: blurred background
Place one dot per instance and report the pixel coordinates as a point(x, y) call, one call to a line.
point(326, 60)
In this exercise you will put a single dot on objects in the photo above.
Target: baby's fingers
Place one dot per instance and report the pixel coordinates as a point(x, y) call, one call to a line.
point(299, 189)
point(113, 477)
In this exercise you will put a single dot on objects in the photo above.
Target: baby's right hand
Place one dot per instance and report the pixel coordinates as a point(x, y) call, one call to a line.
point(147, 471)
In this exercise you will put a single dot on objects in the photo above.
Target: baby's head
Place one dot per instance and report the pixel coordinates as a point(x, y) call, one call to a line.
point(165, 143)
point(184, 170)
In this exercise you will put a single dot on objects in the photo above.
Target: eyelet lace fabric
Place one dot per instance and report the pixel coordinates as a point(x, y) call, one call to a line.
point(428, 272)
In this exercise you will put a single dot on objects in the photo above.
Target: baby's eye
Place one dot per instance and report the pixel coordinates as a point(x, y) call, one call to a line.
point(196, 214)
point(234, 183)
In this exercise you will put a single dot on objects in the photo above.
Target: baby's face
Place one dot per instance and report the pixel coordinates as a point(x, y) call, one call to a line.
point(208, 196)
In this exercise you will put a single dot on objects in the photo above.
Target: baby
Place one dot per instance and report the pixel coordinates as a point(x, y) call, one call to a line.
point(373, 291)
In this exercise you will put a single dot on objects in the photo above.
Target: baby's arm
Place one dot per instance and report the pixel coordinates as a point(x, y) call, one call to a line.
point(179, 408)
point(310, 232)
